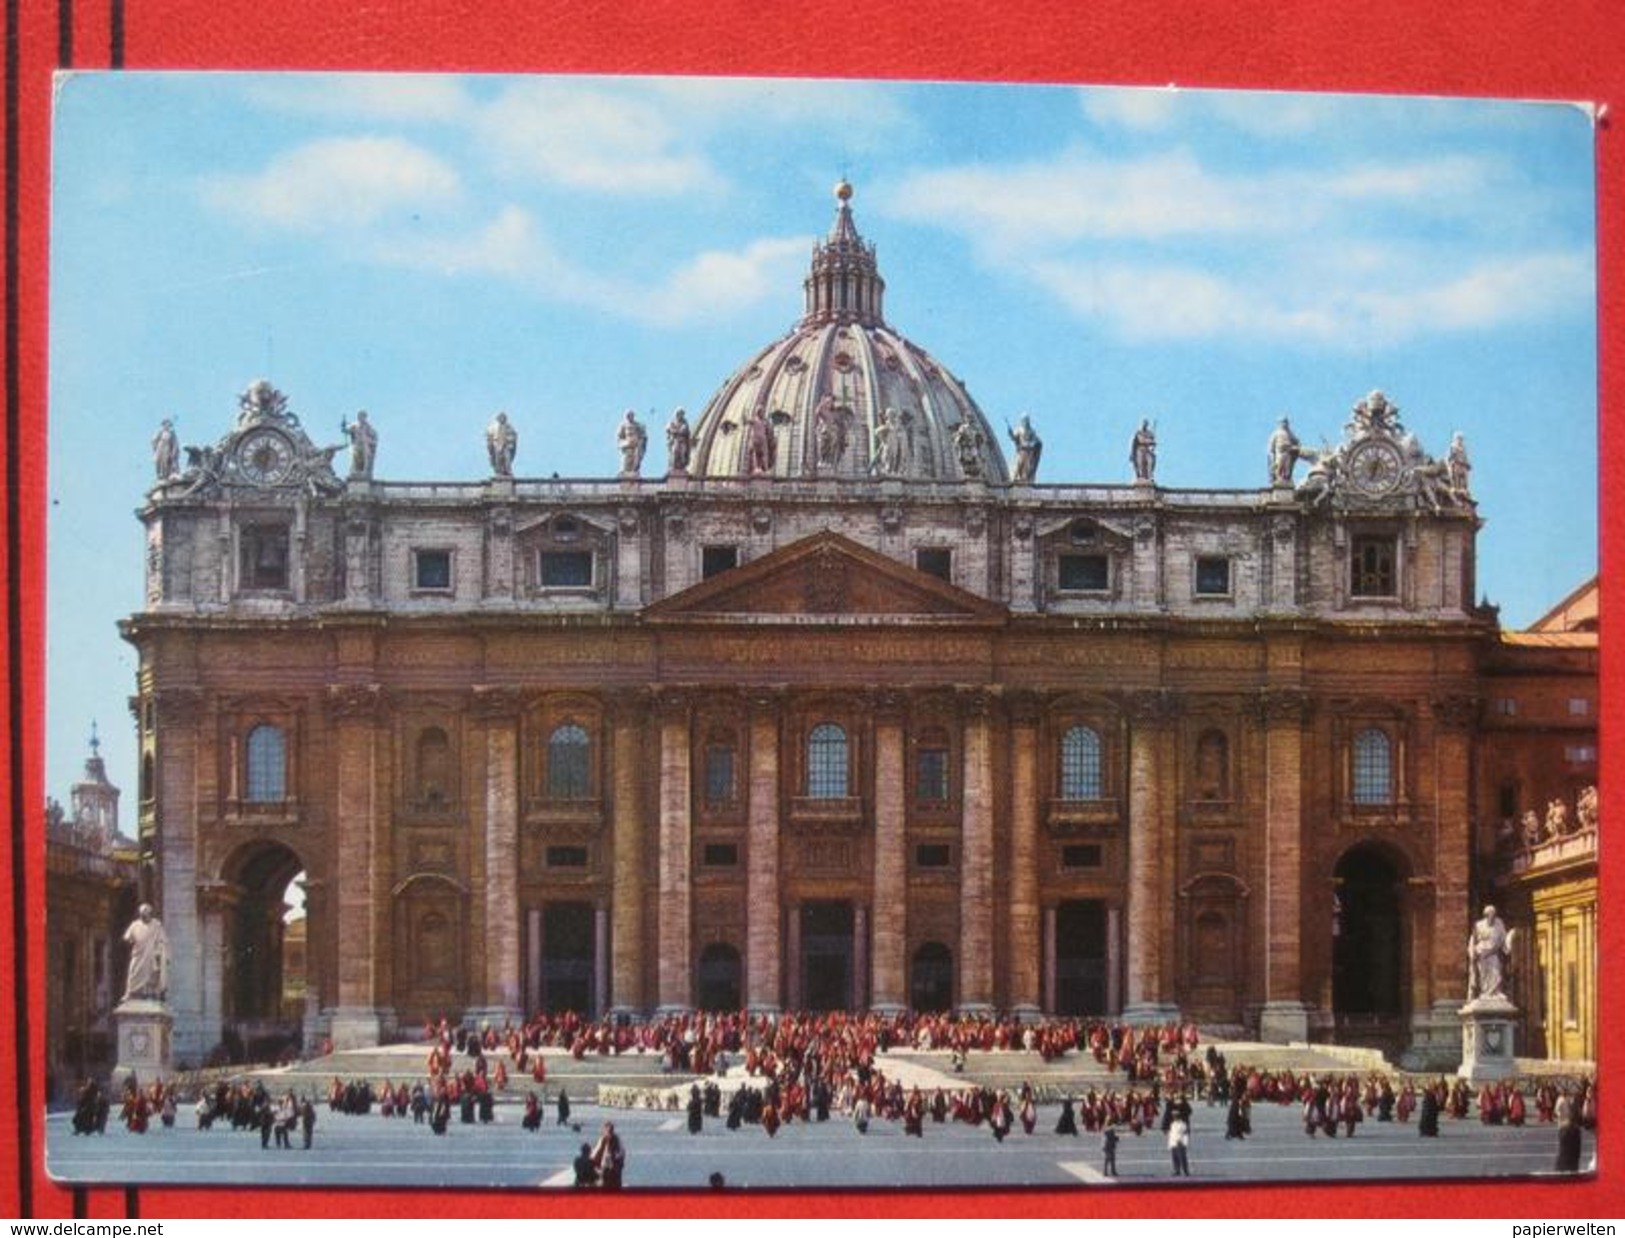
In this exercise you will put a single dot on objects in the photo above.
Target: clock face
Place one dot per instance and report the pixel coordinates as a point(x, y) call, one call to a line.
point(1375, 467)
point(264, 457)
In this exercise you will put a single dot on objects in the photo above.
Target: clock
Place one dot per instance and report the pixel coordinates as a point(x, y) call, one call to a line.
point(264, 457)
point(1375, 467)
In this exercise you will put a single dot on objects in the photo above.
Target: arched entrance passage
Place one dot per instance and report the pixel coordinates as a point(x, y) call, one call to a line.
point(263, 976)
point(1369, 944)
point(721, 978)
point(931, 979)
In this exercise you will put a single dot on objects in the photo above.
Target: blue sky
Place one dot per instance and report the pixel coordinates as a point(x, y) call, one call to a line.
point(433, 249)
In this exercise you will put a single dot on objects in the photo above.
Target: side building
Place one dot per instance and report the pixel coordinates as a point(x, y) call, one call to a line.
point(1538, 788)
point(90, 895)
point(841, 710)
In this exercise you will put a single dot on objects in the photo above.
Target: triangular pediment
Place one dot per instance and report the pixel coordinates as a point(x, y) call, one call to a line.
point(825, 577)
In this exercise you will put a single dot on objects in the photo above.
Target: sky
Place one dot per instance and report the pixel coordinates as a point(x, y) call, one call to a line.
point(433, 249)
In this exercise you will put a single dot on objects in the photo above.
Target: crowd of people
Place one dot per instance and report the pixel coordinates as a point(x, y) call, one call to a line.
point(812, 1067)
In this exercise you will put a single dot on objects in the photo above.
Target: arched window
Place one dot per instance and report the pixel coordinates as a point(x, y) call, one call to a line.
point(1080, 764)
point(433, 768)
point(826, 762)
point(1373, 767)
point(266, 755)
point(569, 763)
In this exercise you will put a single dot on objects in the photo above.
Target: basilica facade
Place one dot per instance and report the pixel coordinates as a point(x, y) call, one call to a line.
point(839, 708)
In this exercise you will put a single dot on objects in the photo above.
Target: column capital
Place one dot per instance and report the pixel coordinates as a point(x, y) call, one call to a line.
point(1152, 708)
point(1024, 707)
point(976, 700)
point(1284, 706)
point(182, 706)
point(495, 703)
point(888, 704)
point(354, 702)
point(1456, 711)
point(673, 704)
point(629, 706)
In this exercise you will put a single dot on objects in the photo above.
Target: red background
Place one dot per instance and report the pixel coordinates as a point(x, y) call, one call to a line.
point(1532, 49)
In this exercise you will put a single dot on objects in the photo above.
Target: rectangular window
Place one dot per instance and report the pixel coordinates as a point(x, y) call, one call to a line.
point(714, 560)
point(1571, 993)
point(933, 855)
point(1085, 574)
point(431, 570)
point(1580, 754)
point(566, 857)
point(935, 561)
point(719, 775)
point(1372, 567)
point(720, 855)
point(1507, 707)
point(1212, 576)
point(1081, 855)
point(1579, 707)
point(264, 562)
point(931, 776)
point(566, 569)
point(1509, 799)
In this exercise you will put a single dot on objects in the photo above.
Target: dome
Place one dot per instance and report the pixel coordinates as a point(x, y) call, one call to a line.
point(843, 395)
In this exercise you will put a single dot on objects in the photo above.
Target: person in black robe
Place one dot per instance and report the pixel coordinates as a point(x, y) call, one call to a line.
point(696, 1110)
point(586, 1171)
point(1235, 1123)
point(563, 1108)
point(736, 1109)
point(1428, 1124)
point(1067, 1123)
point(307, 1120)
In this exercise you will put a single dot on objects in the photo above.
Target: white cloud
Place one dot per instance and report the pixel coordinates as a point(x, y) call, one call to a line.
point(1137, 108)
point(596, 139)
point(712, 285)
point(1338, 308)
point(337, 184)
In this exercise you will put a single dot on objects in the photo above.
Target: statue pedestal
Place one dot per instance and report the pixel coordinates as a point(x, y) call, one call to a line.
point(1486, 1040)
point(144, 1027)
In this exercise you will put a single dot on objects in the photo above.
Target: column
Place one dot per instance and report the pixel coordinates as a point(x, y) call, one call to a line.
point(976, 857)
point(499, 996)
point(626, 903)
point(600, 959)
point(1025, 954)
point(1285, 1016)
point(361, 859)
point(1149, 907)
point(762, 912)
point(890, 985)
point(1049, 960)
point(533, 966)
point(676, 960)
point(1436, 1035)
point(1114, 960)
point(792, 919)
point(860, 955)
point(216, 903)
point(180, 713)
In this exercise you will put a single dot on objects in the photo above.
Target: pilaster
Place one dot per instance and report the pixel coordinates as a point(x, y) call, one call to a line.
point(1025, 951)
point(627, 712)
point(890, 897)
point(497, 711)
point(676, 957)
point(1283, 713)
point(976, 858)
point(762, 911)
point(1151, 714)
